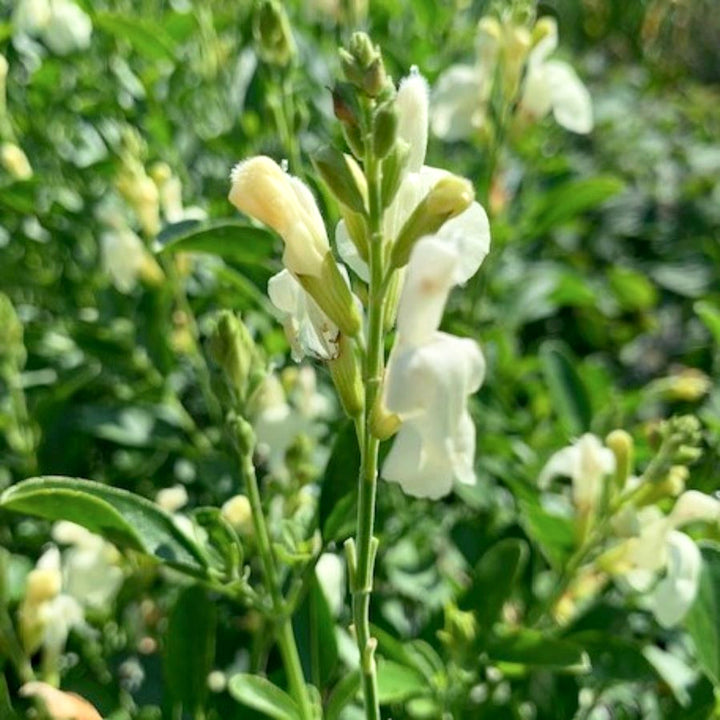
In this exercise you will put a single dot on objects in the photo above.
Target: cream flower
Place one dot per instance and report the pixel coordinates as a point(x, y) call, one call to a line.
point(658, 545)
point(15, 161)
point(68, 28)
point(587, 463)
point(309, 330)
point(430, 374)
point(123, 257)
point(262, 190)
point(554, 85)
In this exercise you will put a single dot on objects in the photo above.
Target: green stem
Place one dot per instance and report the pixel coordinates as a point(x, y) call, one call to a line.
point(365, 543)
point(284, 632)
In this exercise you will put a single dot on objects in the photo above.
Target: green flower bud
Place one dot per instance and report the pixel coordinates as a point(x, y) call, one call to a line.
point(447, 199)
point(271, 30)
point(385, 128)
point(621, 444)
point(235, 352)
point(358, 231)
point(393, 167)
point(342, 176)
point(363, 66)
point(345, 372)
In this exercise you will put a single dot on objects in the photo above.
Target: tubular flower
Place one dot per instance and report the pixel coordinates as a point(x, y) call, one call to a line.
point(262, 190)
point(587, 463)
point(430, 374)
point(462, 95)
point(657, 545)
point(554, 85)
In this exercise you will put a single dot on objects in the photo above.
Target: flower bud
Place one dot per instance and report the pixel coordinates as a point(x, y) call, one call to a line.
point(383, 423)
point(15, 161)
point(448, 198)
point(363, 66)
point(621, 444)
point(235, 352)
point(385, 127)
point(345, 372)
point(238, 512)
point(393, 170)
point(271, 30)
point(262, 190)
point(343, 177)
point(517, 46)
point(141, 193)
point(172, 499)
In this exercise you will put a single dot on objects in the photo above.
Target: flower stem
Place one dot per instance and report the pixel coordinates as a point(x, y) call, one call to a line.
point(365, 543)
point(283, 625)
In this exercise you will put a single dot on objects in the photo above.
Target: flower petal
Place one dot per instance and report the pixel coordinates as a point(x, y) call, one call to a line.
point(570, 99)
point(412, 107)
point(675, 593)
point(349, 253)
point(457, 110)
point(693, 506)
point(469, 233)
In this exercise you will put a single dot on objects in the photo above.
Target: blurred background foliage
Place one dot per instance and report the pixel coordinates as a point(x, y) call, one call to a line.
point(605, 260)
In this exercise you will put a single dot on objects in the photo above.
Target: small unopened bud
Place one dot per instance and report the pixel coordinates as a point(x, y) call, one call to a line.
point(545, 27)
point(363, 65)
point(621, 444)
point(217, 681)
point(343, 177)
point(448, 198)
point(235, 352)
point(385, 128)
point(15, 161)
point(393, 170)
point(272, 33)
point(517, 46)
point(690, 385)
point(238, 512)
point(345, 372)
point(172, 499)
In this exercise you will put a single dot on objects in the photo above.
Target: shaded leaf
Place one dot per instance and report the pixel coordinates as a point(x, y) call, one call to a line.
point(339, 484)
point(532, 647)
point(260, 694)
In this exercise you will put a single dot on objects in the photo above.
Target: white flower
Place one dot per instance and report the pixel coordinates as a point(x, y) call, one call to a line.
point(90, 566)
point(123, 256)
point(238, 512)
point(554, 85)
point(262, 190)
point(68, 28)
point(31, 16)
point(586, 462)
point(309, 330)
point(48, 614)
point(430, 374)
point(660, 546)
point(330, 572)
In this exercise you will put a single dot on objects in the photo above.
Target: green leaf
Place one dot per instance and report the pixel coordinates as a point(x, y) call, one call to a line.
point(260, 694)
point(703, 619)
point(335, 170)
point(614, 658)
point(339, 485)
point(127, 520)
point(532, 647)
point(397, 683)
point(571, 199)
point(315, 633)
point(553, 533)
point(632, 289)
point(190, 647)
point(147, 38)
point(567, 390)
point(228, 239)
point(494, 578)
point(342, 694)
point(709, 313)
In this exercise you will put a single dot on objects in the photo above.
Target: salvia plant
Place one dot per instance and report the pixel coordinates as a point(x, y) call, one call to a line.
point(326, 535)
